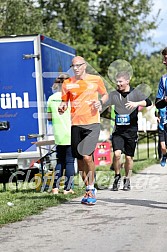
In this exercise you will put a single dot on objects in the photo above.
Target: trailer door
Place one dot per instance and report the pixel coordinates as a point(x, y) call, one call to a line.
point(18, 93)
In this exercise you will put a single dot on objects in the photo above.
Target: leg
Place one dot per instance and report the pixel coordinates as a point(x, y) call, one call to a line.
point(117, 161)
point(82, 170)
point(128, 165)
point(163, 148)
point(88, 170)
point(118, 146)
point(163, 151)
point(87, 140)
point(130, 145)
point(69, 171)
point(60, 153)
point(117, 166)
point(159, 149)
point(76, 138)
point(162, 139)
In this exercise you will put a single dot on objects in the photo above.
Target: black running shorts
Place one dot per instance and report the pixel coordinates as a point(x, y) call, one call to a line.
point(162, 136)
point(125, 141)
point(84, 139)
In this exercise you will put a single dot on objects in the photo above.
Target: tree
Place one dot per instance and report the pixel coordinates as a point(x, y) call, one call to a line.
point(101, 33)
point(120, 26)
point(20, 17)
point(70, 22)
point(148, 70)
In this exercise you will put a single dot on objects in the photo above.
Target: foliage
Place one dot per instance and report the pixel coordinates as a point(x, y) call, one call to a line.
point(101, 32)
point(120, 27)
point(19, 17)
point(147, 70)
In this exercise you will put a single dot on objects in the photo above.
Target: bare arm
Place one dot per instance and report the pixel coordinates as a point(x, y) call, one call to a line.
point(132, 105)
point(62, 107)
point(143, 103)
point(98, 104)
point(49, 116)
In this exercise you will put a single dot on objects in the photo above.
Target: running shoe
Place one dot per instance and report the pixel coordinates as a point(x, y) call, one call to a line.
point(89, 197)
point(117, 182)
point(126, 186)
point(55, 191)
point(163, 161)
point(65, 192)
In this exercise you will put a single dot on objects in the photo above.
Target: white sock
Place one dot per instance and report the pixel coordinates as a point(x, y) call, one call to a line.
point(90, 187)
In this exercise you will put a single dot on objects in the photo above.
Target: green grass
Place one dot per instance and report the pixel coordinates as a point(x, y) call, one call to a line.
point(27, 201)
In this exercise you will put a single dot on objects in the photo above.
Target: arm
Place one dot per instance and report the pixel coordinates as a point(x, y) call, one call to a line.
point(49, 110)
point(161, 101)
point(103, 92)
point(104, 98)
point(99, 104)
point(62, 107)
point(144, 103)
point(49, 116)
point(65, 97)
point(107, 103)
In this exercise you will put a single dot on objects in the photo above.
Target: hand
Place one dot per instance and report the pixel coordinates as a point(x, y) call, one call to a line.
point(97, 105)
point(131, 105)
point(62, 108)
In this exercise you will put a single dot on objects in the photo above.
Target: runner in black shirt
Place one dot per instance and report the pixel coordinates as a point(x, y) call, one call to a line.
point(126, 101)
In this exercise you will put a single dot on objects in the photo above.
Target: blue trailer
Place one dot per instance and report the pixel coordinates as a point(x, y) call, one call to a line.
point(29, 64)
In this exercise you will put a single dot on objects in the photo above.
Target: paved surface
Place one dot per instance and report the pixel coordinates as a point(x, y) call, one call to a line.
point(133, 221)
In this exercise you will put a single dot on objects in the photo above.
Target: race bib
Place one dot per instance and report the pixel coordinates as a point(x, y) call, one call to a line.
point(122, 119)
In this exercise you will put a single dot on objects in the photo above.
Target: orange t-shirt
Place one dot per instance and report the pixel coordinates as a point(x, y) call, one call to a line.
point(81, 94)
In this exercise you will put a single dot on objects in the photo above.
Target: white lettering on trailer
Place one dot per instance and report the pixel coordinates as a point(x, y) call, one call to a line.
point(11, 101)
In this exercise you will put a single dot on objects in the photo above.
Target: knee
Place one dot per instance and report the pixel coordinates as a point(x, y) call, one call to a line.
point(117, 155)
point(87, 159)
point(129, 159)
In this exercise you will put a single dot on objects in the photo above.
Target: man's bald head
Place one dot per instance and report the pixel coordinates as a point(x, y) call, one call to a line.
point(78, 59)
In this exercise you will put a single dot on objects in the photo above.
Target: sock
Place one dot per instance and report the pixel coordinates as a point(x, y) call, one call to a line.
point(90, 187)
point(117, 175)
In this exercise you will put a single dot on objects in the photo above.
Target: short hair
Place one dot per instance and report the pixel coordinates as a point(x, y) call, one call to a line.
point(123, 74)
point(164, 51)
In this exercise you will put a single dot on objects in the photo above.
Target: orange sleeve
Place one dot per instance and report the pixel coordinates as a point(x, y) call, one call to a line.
point(101, 87)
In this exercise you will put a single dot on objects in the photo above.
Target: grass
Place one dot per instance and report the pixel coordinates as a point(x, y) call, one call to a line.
point(27, 201)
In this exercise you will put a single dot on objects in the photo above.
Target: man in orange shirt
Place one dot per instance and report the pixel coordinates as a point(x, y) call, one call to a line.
point(82, 90)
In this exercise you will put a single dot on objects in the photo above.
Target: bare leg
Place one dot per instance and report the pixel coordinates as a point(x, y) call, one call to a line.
point(128, 166)
point(82, 171)
point(117, 161)
point(87, 168)
point(163, 148)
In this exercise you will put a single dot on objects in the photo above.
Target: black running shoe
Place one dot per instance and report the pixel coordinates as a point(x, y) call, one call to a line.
point(117, 182)
point(126, 186)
